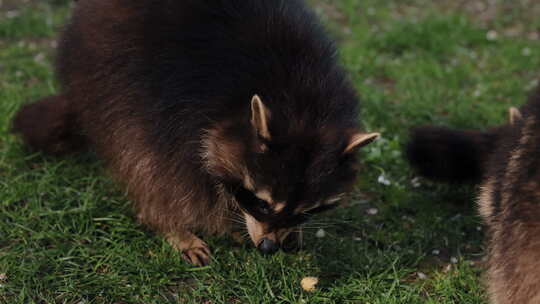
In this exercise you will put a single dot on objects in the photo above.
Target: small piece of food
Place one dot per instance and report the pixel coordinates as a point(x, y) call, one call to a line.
point(309, 283)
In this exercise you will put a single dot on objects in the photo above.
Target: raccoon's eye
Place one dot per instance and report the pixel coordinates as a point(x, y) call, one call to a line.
point(263, 207)
point(248, 199)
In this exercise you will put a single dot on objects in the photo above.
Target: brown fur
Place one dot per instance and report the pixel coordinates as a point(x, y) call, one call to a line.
point(57, 137)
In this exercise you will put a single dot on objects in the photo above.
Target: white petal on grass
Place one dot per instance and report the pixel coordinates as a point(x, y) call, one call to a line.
point(415, 182)
point(453, 260)
point(12, 14)
point(533, 84)
point(492, 35)
point(320, 233)
point(384, 180)
point(39, 58)
point(421, 275)
point(477, 93)
point(372, 211)
point(408, 219)
point(456, 217)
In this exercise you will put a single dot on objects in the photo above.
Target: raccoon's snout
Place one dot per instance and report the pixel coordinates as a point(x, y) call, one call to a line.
point(268, 246)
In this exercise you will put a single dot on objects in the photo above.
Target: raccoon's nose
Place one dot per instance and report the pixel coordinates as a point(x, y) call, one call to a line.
point(267, 246)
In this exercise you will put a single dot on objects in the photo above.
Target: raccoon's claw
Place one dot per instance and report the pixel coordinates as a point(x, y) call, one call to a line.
point(199, 256)
point(194, 250)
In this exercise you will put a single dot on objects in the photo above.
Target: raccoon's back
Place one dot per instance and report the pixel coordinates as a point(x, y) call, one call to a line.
point(219, 53)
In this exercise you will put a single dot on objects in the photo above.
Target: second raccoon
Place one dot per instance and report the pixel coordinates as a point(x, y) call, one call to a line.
point(506, 162)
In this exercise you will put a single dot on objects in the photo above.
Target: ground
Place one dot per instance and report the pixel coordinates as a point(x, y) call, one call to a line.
point(67, 234)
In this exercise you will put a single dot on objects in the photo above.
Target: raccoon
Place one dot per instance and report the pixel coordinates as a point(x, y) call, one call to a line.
point(506, 163)
point(207, 112)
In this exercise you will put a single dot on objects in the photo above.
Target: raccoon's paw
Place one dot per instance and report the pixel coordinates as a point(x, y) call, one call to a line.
point(198, 256)
point(194, 250)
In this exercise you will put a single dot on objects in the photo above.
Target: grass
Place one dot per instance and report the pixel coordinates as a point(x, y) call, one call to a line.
point(67, 234)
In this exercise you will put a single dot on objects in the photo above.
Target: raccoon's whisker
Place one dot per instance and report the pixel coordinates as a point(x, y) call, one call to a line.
point(325, 223)
point(235, 216)
point(322, 226)
point(237, 221)
point(316, 226)
point(320, 223)
point(311, 225)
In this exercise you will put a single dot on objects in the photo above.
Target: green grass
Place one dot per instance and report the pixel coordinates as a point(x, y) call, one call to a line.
point(67, 235)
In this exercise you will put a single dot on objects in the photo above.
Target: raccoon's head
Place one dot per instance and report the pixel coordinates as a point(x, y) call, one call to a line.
point(281, 176)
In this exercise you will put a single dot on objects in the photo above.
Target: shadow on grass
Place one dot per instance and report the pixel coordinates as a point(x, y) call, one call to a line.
point(427, 232)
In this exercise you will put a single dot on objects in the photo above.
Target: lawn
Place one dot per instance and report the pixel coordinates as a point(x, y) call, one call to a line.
point(67, 234)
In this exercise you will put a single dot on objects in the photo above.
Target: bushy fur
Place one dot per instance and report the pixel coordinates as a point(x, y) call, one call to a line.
point(449, 155)
point(509, 200)
point(47, 125)
point(161, 90)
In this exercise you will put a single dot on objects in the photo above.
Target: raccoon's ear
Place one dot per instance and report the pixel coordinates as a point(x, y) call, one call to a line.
point(260, 115)
point(514, 115)
point(359, 140)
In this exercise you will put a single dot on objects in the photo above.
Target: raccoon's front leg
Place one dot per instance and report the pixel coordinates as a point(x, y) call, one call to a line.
point(194, 250)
